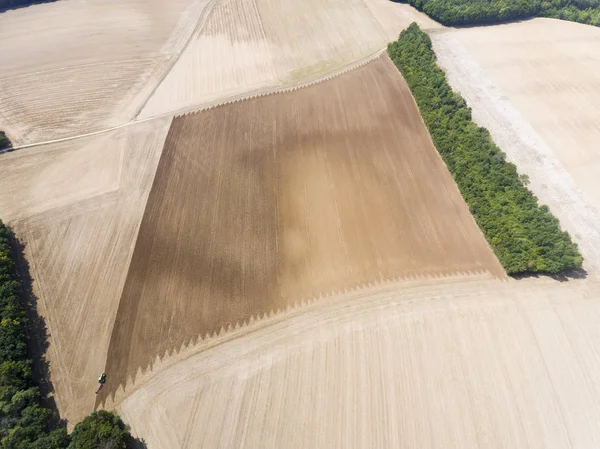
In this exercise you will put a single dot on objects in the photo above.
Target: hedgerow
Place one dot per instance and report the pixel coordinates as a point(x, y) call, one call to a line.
point(525, 236)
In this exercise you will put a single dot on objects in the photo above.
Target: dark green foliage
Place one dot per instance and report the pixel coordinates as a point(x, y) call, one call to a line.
point(101, 429)
point(13, 4)
point(24, 423)
point(4, 141)
point(524, 236)
point(22, 420)
point(479, 12)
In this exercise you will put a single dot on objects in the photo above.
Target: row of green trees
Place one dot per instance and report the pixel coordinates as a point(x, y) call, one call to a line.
point(479, 12)
point(24, 422)
point(526, 237)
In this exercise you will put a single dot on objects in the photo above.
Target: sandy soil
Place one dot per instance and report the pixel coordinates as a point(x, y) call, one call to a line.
point(536, 86)
point(469, 365)
point(288, 208)
point(74, 66)
point(246, 45)
point(356, 302)
point(93, 64)
point(79, 233)
point(34, 181)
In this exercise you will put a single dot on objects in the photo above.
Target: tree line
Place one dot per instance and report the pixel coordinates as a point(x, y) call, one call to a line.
point(525, 236)
point(480, 12)
point(24, 422)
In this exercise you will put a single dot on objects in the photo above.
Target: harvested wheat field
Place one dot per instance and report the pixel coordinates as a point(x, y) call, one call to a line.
point(536, 86)
point(307, 197)
point(296, 269)
point(467, 365)
point(254, 45)
point(89, 65)
point(395, 17)
point(79, 233)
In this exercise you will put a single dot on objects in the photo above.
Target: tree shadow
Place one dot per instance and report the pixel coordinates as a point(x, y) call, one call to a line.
point(137, 443)
point(6, 5)
point(37, 333)
point(565, 276)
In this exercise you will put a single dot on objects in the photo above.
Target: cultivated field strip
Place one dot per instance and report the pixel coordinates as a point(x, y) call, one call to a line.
point(228, 55)
point(316, 36)
point(74, 33)
point(542, 111)
point(284, 209)
point(72, 101)
point(463, 367)
point(48, 177)
point(96, 65)
point(436, 286)
point(269, 90)
point(79, 235)
point(250, 45)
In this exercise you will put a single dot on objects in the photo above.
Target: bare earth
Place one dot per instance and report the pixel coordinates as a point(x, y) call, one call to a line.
point(79, 233)
point(85, 65)
point(243, 45)
point(536, 86)
point(297, 270)
point(284, 209)
point(465, 365)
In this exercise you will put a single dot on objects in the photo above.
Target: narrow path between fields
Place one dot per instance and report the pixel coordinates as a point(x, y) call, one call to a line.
point(215, 103)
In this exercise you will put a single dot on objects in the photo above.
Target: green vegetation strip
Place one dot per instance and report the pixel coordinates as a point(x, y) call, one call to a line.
point(478, 12)
point(24, 422)
point(526, 237)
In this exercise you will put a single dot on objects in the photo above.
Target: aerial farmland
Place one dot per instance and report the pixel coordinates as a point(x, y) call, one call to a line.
point(241, 213)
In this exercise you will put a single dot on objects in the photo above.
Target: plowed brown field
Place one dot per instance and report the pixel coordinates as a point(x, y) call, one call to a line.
point(262, 203)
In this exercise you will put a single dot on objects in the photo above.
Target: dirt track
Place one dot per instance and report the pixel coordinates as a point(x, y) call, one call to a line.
point(86, 65)
point(305, 198)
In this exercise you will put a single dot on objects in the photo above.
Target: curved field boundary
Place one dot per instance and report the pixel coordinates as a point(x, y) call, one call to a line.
point(292, 220)
point(407, 289)
point(280, 89)
point(211, 105)
point(199, 25)
point(507, 353)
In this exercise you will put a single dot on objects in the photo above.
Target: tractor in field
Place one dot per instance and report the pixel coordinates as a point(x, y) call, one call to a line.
point(101, 382)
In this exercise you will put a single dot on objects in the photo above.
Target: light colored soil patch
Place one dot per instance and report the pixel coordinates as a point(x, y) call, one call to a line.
point(79, 235)
point(319, 190)
point(249, 45)
point(536, 86)
point(469, 365)
point(77, 100)
point(56, 175)
point(395, 17)
point(229, 55)
point(75, 66)
point(317, 36)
